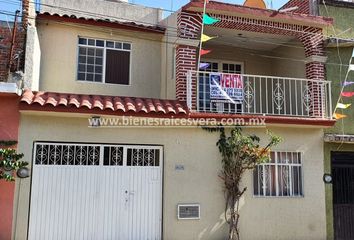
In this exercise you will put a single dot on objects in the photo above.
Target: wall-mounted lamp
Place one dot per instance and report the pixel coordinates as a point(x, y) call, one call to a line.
point(327, 178)
point(23, 172)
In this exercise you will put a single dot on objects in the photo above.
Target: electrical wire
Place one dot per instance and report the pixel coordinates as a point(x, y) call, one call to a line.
point(102, 16)
point(168, 42)
point(254, 39)
point(201, 35)
point(168, 27)
point(102, 30)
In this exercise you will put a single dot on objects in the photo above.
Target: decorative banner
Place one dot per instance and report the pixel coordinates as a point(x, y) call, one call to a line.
point(347, 83)
point(203, 52)
point(209, 20)
point(347, 94)
point(226, 88)
point(206, 38)
point(343, 106)
point(339, 116)
point(204, 66)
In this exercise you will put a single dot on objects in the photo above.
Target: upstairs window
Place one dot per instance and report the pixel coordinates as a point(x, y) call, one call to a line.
point(103, 61)
point(281, 177)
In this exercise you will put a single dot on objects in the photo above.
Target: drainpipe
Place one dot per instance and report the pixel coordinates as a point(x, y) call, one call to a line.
point(25, 23)
point(14, 30)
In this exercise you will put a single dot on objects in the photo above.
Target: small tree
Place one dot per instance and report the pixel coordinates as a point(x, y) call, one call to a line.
point(239, 153)
point(9, 160)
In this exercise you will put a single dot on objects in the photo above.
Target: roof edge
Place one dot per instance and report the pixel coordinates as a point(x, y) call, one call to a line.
point(267, 13)
point(102, 23)
point(100, 104)
point(337, 3)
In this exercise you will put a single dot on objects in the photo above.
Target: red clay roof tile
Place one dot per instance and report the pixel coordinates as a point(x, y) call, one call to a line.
point(99, 21)
point(112, 103)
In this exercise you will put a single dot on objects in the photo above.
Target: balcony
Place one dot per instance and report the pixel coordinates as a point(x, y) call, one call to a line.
point(244, 94)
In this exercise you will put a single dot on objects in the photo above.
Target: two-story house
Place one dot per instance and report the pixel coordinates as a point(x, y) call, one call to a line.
point(339, 148)
point(100, 59)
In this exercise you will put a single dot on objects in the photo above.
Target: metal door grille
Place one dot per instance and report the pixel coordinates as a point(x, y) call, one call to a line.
point(89, 155)
point(143, 157)
point(113, 155)
point(343, 194)
point(67, 154)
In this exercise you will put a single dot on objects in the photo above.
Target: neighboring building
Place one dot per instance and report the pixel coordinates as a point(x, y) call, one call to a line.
point(12, 42)
point(339, 140)
point(9, 122)
point(96, 59)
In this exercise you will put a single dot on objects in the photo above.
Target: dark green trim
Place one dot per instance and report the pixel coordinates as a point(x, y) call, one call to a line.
point(328, 148)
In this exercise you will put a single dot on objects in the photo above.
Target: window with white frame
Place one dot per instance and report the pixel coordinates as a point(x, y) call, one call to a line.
point(280, 177)
point(103, 61)
point(204, 103)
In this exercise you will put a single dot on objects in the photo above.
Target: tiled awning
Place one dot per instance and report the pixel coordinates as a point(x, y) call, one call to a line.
point(103, 22)
point(139, 107)
point(112, 104)
point(221, 7)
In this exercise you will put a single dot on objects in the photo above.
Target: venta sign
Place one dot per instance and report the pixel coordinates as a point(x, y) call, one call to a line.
point(226, 88)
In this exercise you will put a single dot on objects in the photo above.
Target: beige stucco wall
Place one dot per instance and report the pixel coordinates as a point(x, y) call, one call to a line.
point(289, 60)
point(32, 61)
point(58, 43)
point(252, 64)
point(284, 61)
point(261, 218)
point(168, 58)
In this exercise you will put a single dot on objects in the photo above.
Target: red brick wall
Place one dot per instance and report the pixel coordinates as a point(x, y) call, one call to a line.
point(5, 45)
point(9, 123)
point(186, 56)
point(186, 59)
point(304, 6)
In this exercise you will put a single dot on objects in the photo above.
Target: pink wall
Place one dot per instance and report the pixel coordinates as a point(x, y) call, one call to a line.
point(9, 122)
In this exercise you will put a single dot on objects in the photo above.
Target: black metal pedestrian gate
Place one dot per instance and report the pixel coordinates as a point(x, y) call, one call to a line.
point(343, 195)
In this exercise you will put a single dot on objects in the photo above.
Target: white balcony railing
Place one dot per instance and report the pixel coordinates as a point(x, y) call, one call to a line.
point(258, 95)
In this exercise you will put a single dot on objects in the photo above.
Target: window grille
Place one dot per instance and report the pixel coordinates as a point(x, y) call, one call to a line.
point(281, 177)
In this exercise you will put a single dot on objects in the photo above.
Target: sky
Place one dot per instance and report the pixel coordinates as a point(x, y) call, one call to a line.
point(166, 4)
point(12, 5)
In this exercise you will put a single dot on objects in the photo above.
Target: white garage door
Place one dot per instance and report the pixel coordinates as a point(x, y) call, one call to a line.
point(91, 191)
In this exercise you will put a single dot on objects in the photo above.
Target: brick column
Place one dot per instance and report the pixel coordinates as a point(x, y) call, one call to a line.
point(186, 59)
point(315, 69)
point(25, 13)
point(189, 27)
